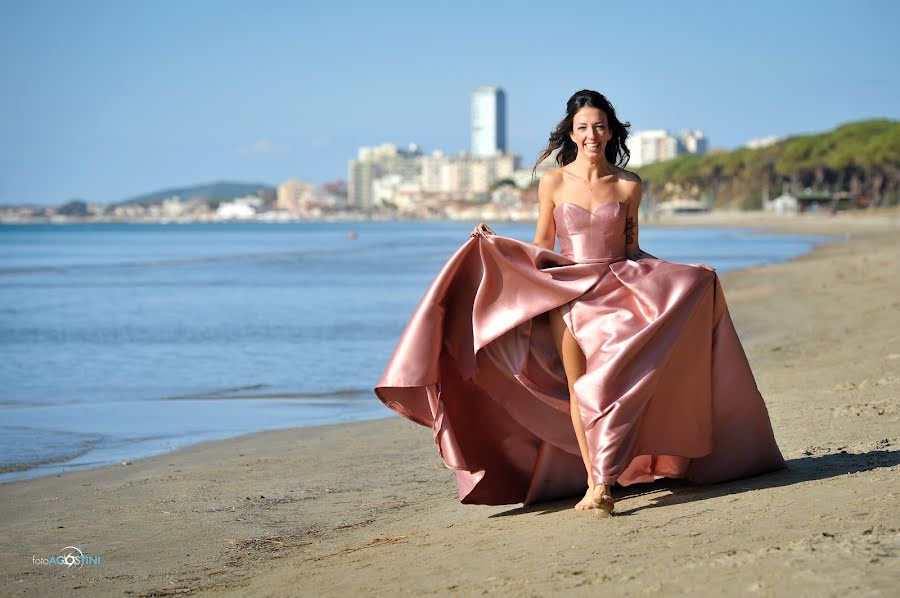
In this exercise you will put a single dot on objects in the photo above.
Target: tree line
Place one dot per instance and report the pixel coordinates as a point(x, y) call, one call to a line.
point(860, 160)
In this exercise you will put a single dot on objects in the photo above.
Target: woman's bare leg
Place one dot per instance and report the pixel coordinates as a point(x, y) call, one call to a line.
point(574, 364)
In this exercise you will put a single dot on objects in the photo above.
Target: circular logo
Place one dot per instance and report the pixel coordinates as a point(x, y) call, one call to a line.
point(71, 558)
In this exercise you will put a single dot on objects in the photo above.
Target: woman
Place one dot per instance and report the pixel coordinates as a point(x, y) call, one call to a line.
point(533, 368)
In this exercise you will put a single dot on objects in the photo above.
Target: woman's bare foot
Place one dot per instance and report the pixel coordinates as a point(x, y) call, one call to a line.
point(602, 499)
point(587, 502)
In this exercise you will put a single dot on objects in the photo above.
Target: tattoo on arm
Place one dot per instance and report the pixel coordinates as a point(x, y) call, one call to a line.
point(629, 239)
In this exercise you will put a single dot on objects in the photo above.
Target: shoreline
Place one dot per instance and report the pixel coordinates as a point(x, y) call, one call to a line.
point(341, 507)
point(716, 217)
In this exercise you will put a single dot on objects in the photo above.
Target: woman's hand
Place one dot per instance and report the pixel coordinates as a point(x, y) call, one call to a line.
point(482, 230)
point(704, 266)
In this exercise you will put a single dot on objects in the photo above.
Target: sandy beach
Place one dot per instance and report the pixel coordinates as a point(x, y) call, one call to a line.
point(368, 507)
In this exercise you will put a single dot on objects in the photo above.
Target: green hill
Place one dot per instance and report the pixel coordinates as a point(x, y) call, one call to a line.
point(861, 159)
point(219, 191)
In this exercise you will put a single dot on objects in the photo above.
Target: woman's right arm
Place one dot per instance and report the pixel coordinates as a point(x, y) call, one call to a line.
point(545, 230)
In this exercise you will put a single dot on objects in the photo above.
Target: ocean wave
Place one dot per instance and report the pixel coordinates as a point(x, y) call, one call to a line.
point(24, 448)
point(240, 392)
point(289, 257)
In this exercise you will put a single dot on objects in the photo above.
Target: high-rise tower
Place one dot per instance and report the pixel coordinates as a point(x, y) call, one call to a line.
point(488, 121)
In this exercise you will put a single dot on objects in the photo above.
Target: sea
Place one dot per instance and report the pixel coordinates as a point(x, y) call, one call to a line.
point(121, 341)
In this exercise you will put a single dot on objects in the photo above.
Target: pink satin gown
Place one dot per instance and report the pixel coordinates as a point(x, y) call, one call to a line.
point(667, 391)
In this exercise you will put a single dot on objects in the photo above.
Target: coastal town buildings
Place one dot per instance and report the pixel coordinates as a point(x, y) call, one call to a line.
point(656, 145)
point(240, 208)
point(412, 182)
point(293, 195)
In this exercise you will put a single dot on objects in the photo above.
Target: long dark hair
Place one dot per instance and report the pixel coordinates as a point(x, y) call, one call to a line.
point(616, 151)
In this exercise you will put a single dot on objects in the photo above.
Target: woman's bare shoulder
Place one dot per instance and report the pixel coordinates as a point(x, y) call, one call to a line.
point(553, 175)
point(630, 178)
point(548, 185)
point(631, 187)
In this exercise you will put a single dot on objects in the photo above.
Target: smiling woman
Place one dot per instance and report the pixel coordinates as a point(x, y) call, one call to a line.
point(542, 373)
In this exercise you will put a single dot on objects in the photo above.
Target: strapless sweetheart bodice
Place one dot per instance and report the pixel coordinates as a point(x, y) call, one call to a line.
point(588, 237)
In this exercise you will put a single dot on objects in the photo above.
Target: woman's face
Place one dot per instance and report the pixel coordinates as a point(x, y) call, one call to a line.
point(590, 132)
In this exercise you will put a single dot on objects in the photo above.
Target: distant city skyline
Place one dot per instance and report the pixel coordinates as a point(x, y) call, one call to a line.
point(104, 100)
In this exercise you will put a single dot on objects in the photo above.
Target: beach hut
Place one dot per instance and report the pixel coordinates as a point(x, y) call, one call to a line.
point(784, 204)
point(682, 206)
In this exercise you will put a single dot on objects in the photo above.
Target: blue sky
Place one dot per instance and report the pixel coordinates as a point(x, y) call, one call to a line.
point(108, 100)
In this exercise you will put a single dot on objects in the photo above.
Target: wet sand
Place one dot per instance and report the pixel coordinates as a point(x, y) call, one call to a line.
point(368, 506)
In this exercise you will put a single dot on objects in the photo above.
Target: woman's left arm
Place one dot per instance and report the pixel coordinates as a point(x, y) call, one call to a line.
point(633, 251)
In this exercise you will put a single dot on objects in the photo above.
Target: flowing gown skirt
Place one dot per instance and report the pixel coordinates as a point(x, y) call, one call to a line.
point(667, 391)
